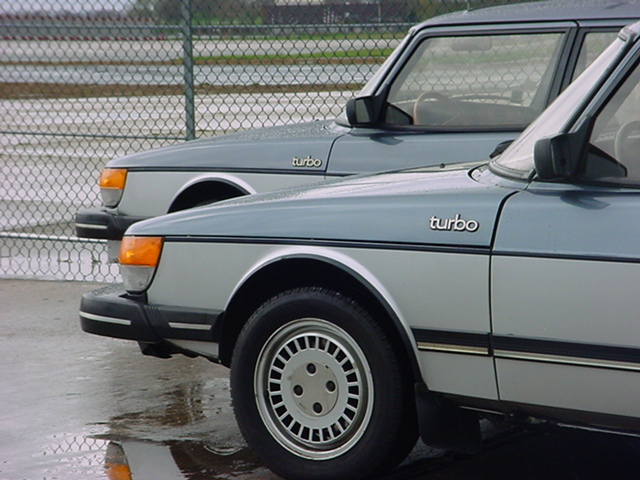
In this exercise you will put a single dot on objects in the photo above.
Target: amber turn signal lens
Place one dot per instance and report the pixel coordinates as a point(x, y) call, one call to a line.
point(116, 464)
point(140, 251)
point(118, 472)
point(112, 181)
point(113, 178)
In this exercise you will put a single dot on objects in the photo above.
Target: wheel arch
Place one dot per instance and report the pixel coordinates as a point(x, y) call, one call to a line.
point(209, 189)
point(307, 270)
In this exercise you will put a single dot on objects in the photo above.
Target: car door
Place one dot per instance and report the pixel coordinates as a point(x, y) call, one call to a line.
point(455, 95)
point(566, 275)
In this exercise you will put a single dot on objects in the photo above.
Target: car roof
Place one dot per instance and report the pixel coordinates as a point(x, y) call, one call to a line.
point(557, 10)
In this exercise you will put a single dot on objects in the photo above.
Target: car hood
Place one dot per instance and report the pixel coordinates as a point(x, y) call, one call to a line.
point(273, 148)
point(451, 206)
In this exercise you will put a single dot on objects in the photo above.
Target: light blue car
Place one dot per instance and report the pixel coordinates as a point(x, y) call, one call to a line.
point(360, 313)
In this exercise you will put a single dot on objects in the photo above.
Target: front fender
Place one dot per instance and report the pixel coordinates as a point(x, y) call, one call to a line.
point(345, 267)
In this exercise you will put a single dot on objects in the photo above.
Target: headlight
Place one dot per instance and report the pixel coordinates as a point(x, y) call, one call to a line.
point(139, 257)
point(112, 181)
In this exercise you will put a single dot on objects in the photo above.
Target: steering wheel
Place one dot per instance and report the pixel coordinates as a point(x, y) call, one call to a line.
point(486, 96)
point(626, 146)
point(452, 109)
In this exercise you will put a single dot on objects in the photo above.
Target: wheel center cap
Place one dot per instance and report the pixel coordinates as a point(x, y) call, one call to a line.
point(314, 388)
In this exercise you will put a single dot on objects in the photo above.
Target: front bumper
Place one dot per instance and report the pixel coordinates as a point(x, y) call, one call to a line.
point(111, 312)
point(102, 224)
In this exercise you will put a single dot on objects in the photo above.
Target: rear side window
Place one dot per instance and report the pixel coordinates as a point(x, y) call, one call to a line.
point(477, 81)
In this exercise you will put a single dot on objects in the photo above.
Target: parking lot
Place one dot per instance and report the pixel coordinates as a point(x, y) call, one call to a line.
point(72, 402)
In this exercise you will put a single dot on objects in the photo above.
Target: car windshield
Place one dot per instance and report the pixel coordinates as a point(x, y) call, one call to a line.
point(517, 159)
point(483, 81)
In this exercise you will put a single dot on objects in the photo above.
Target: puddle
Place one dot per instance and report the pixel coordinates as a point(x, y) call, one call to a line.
point(169, 429)
point(65, 456)
point(68, 456)
point(135, 460)
point(107, 457)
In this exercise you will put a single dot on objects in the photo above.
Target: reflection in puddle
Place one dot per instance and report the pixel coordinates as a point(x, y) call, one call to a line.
point(177, 429)
point(116, 464)
point(77, 457)
point(188, 410)
point(138, 460)
point(70, 457)
point(188, 432)
point(135, 460)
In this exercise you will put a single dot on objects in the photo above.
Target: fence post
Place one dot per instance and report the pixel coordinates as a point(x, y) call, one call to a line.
point(187, 62)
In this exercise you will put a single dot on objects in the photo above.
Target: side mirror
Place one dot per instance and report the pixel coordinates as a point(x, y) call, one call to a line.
point(363, 111)
point(557, 158)
point(552, 158)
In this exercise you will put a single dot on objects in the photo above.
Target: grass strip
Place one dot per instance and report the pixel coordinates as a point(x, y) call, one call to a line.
point(22, 91)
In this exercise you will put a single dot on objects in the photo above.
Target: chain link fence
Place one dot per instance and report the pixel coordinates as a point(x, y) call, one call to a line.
point(82, 82)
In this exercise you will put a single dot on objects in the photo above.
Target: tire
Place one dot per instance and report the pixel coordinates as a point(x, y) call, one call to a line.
point(318, 390)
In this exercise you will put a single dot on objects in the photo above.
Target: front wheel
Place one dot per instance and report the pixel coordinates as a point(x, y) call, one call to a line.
point(318, 389)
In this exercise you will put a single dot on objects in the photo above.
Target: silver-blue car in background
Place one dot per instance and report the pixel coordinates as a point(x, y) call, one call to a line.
point(360, 313)
point(458, 86)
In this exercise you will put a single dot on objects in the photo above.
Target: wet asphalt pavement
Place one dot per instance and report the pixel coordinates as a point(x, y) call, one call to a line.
point(79, 407)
